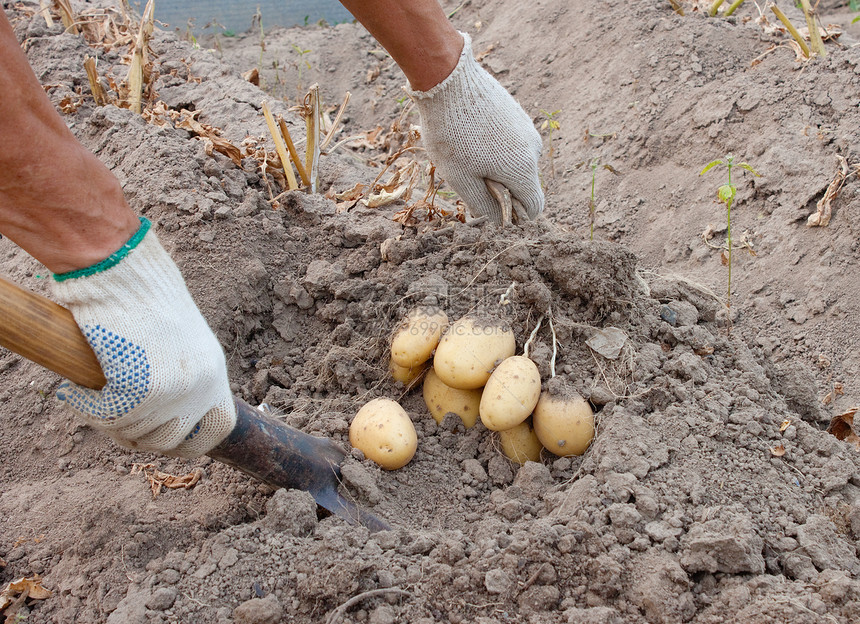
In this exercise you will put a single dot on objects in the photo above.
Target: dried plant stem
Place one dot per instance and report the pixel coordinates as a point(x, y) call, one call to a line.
point(95, 85)
point(312, 147)
point(676, 6)
point(138, 59)
point(338, 613)
point(67, 15)
point(787, 23)
point(45, 10)
point(292, 184)
point(285, 132)
point(815, 39)
point(336, 121)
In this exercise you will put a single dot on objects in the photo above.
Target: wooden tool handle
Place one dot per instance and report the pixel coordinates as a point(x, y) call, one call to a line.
point(46, 333)
point(261, 446)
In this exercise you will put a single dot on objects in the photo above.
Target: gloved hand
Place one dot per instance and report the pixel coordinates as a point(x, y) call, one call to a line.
point(167, 387)
point(473, 129)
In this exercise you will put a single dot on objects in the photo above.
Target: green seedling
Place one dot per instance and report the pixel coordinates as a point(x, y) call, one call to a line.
point(731, 9)
point(189, 34)
point(255, 20)
point(300, 63)
point(550, 125)
point(726, 194)
point(594, 164)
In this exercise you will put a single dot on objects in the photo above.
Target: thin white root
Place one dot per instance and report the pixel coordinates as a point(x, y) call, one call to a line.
point(505, 299)
point(337, 614)
point(554, 344)
point(531, 339)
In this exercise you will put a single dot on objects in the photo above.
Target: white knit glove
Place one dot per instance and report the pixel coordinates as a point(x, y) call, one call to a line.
point(167, 387)
point(473, 129)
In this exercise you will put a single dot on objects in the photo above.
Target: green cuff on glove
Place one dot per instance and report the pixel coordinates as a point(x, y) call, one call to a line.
point(111, 261)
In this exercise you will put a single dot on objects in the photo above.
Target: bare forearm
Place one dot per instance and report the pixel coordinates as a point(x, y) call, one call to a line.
point(417, 35)
point(57, 200)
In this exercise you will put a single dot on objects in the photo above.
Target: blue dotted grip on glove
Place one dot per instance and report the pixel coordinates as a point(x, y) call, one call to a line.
point(125, 367)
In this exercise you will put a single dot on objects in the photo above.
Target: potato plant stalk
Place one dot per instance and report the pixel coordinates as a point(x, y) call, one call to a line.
point(790, 27)
point(732, 7)
point(293, 153)
point(45, 10)
point(729, 200)
point(93, 77)
point(312, 119)
point(280, 148)
point(67, 16)
point(727, 193)
point(138, 59)
point(716, 5)
point(815, 39)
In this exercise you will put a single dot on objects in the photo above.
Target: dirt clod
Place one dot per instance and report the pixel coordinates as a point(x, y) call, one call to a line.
point(678, 512)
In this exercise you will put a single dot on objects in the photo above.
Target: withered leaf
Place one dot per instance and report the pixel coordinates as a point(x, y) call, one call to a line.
point(158, 479)
point(842, 426)
point(709, 232)
point(724, 258)
point(384, 198)
point(29, 587)
point(824, 209)
point(351, 194)
point(252, 76)
point(836, 391)
point(480, 56)
point(209, 135)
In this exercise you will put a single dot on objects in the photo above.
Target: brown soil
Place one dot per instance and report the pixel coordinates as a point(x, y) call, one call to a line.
point(683, 509)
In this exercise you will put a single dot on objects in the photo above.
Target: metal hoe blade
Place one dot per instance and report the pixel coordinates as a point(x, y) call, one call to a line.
point(282, 456)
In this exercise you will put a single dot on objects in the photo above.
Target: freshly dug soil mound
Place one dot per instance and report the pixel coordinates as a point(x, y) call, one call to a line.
point(712, 492)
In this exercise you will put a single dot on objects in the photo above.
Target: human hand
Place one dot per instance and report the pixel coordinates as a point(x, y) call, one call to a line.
point(167, 387)
point(474, 130)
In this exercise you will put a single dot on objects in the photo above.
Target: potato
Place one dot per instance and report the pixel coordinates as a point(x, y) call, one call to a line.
point(563, 421)
point(417, 335)
point(520, 444)
point(406, 375)
point(442, 399)
point(511, 393)
point(383, 431)
point(471, 349)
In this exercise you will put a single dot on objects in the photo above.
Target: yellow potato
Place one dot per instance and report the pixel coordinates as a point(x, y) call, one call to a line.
point(471, 349)
point(520, 444)
point(416, 337)
point(406, 375)
point(511, 393)
point(442, 399)
point(564, 422)
point(383, 431)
